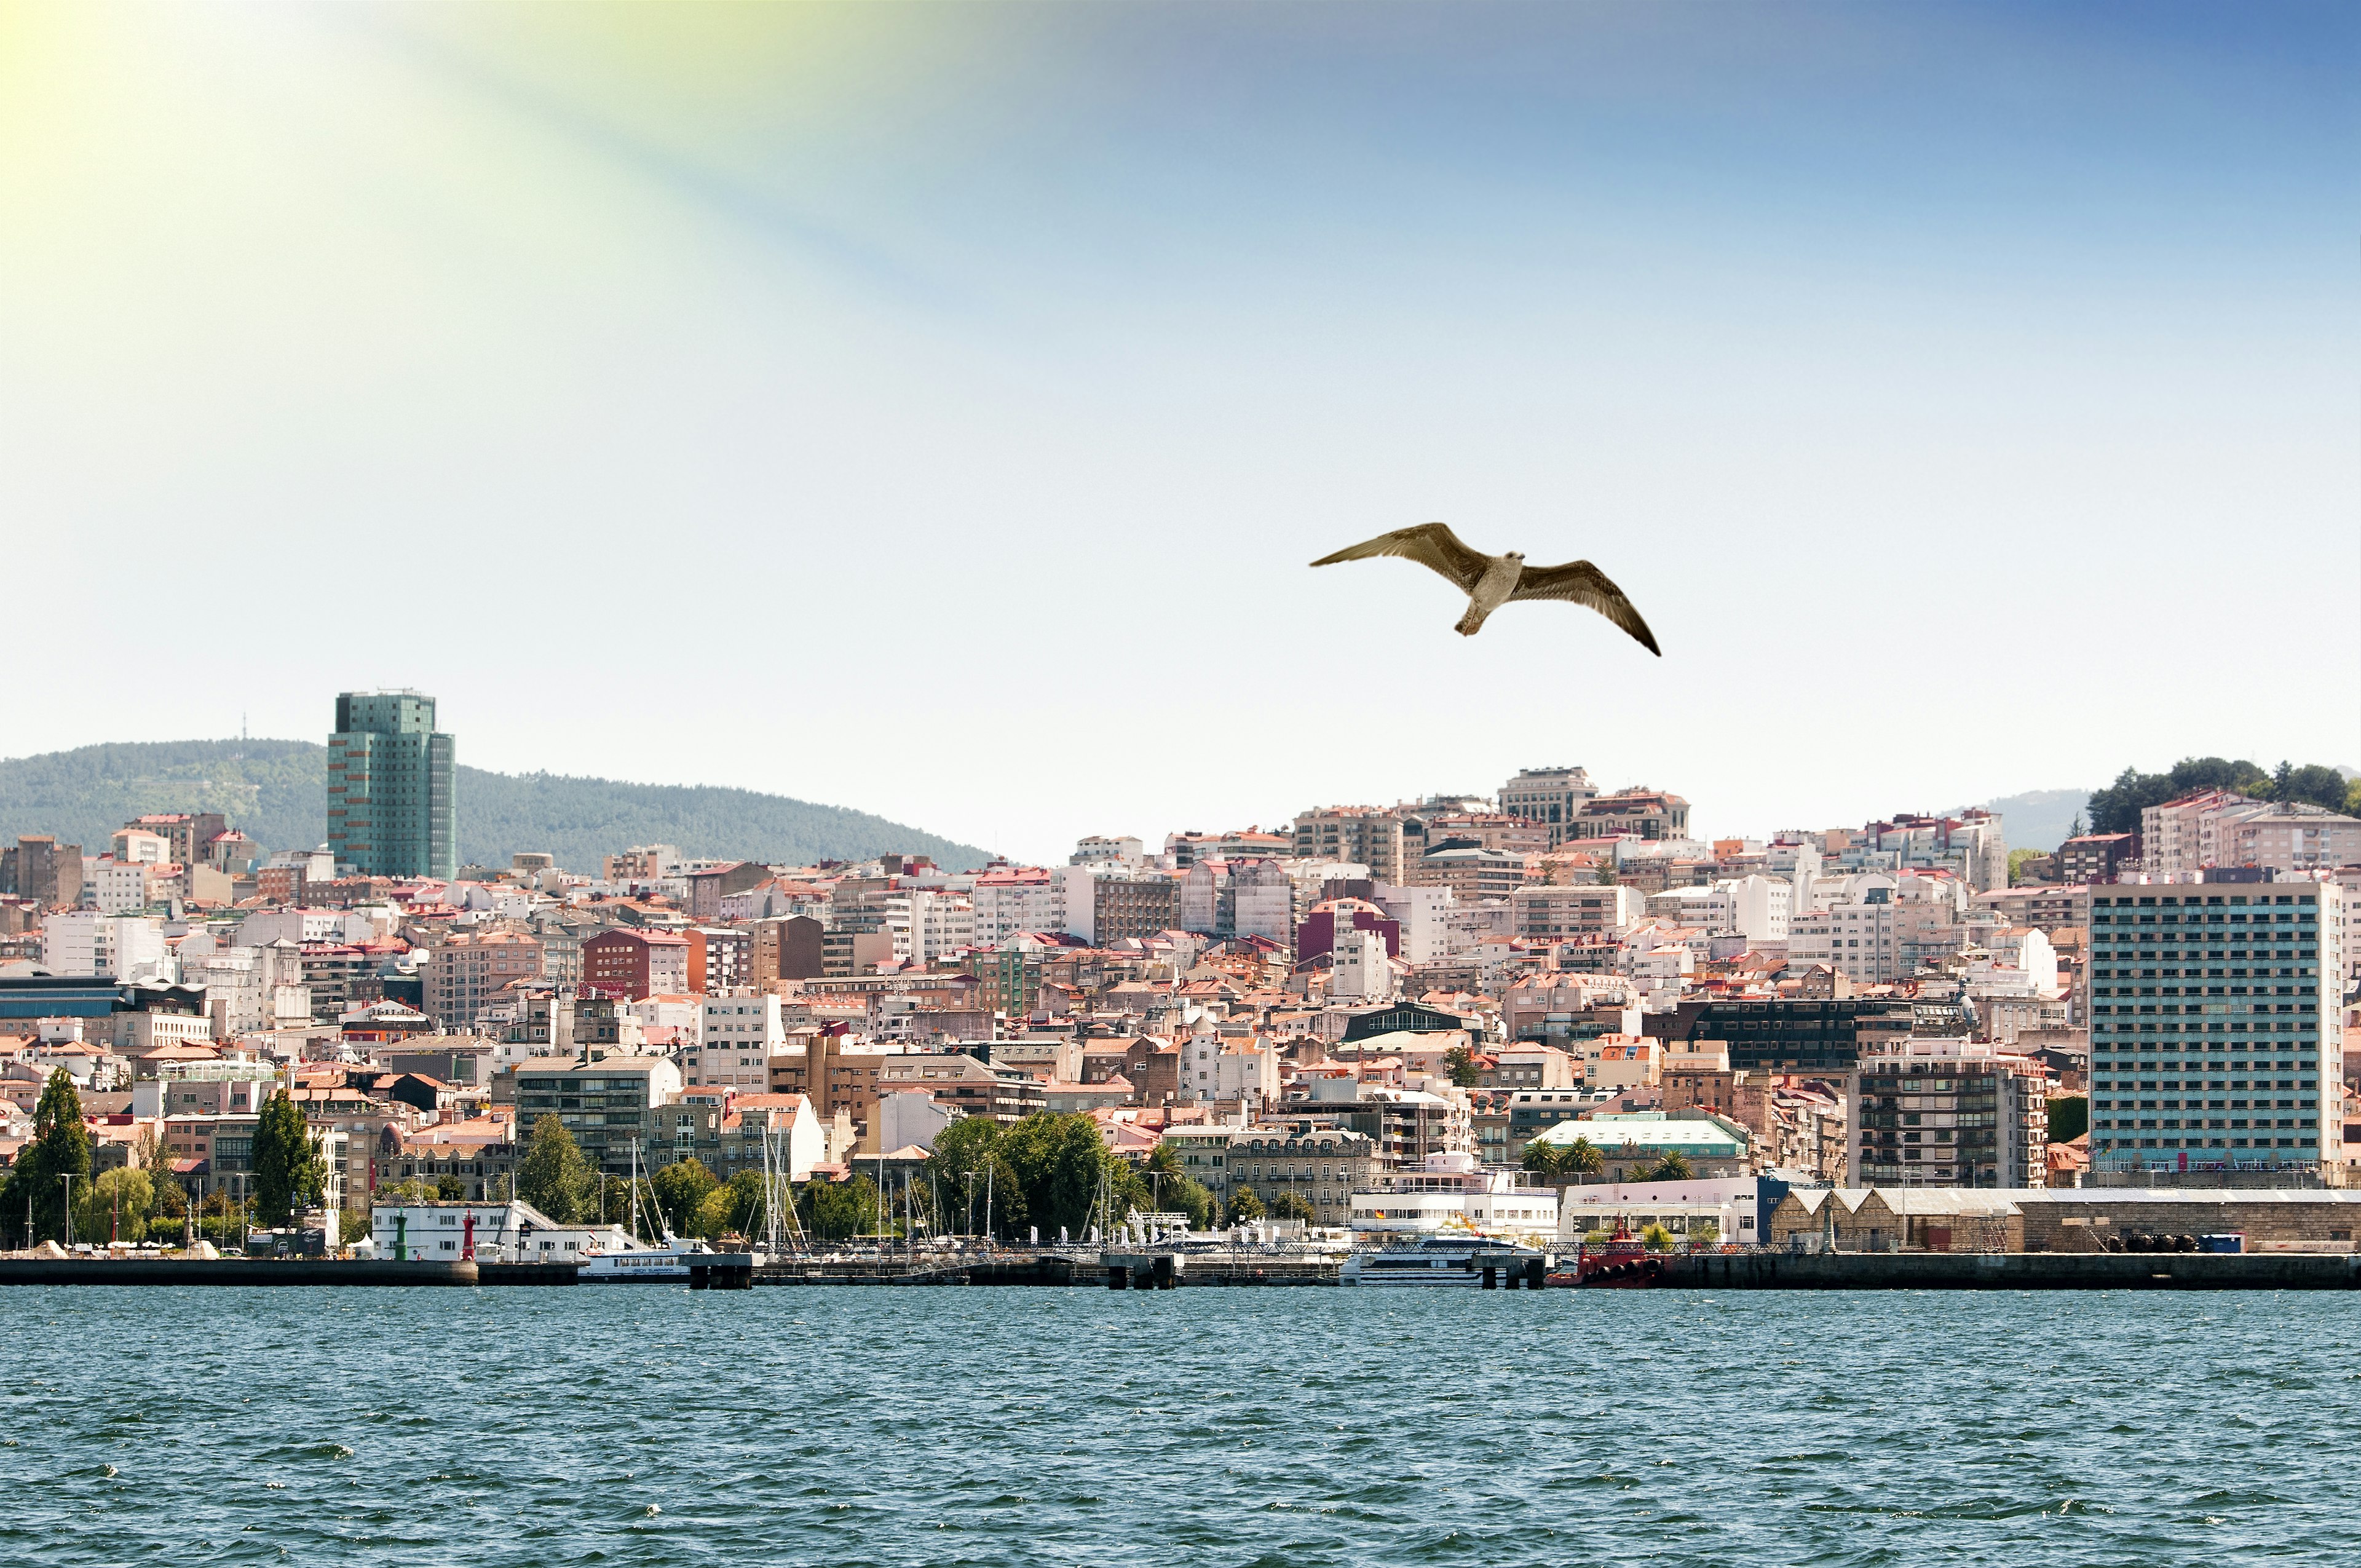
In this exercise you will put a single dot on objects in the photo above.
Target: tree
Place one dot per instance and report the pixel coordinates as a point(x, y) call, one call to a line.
point(1581, 1159)
point(972, 1170)
point(749, 1212)
point(115, 1205)
point(1670, 1166)
point(164, 1187)
point(715, 1215)
point(1291, 1205)
point(1171, 1188)
point(833, 1210)
point(2117, 808)
point(680, 1188)
point(2312, 783)
point(61, 1147)
point(1063, 1167)
point(2069, 1117)
point(554, 1177)
point(1655, 1238)
point(1244, 1205)
point(450, 1189)
point(1542, 1157)
point(1461, 1063)
point(289, 1173)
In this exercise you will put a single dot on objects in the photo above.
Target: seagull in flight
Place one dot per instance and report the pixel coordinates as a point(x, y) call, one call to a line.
point(1491, 581)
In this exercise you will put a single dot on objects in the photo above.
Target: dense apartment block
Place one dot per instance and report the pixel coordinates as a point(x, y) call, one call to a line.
point(470, 971)
point(2213, 1023)
point(1363, 835)
point(1946, 1113)
point(632, 964)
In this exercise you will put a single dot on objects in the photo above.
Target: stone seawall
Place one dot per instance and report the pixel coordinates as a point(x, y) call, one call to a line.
point(2013, 1271)
point(229, 1271)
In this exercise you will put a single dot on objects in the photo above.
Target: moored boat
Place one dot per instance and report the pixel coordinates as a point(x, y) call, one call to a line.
point(1474, 1262)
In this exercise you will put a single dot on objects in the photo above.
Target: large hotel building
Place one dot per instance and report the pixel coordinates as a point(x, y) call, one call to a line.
point(2213, 1023)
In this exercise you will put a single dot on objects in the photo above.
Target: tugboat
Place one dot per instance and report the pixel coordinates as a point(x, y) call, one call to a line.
point(1474, 1262)
point(1621, 1262)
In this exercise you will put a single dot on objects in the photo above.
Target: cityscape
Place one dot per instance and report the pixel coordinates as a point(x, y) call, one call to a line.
point(1553, 1013)
point(1272, 785)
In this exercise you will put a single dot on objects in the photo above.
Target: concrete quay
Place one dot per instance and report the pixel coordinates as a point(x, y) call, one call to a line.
point(2012, 1271)
point(232, 1271)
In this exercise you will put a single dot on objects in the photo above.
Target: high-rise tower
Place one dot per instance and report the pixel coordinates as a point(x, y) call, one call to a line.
point(389, 776)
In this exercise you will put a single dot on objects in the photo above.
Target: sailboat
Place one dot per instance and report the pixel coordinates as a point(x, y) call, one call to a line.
point(673, 1260)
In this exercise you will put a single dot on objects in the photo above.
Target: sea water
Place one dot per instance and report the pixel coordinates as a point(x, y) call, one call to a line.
point(1271, 1427)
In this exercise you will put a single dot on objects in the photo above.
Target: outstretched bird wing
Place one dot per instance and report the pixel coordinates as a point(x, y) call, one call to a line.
point(1580, 582)
point(1431, 544)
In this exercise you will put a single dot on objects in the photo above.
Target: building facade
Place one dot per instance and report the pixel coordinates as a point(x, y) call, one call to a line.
point(1948, 1112)
point(1553, 797)
point(2214, 1024)
point(390, 810)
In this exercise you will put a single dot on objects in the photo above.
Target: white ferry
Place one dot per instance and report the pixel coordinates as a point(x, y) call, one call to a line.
point(627, 1260)
point(671, 1262)
point(1470, 1262)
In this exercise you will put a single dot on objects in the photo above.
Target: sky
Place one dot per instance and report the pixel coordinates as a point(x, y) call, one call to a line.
point(933, 410)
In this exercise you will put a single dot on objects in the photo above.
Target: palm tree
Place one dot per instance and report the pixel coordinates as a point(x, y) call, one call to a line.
point(1543, 1158)
point(1670, 1166)
point(1582, 1159)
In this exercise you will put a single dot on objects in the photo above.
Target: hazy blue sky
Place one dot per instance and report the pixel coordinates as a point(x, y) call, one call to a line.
point(932, 410)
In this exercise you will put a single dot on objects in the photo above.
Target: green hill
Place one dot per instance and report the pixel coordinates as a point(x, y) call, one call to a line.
point(276, 792)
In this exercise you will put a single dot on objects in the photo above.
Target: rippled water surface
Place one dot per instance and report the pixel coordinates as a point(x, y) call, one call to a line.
point(652, 1425)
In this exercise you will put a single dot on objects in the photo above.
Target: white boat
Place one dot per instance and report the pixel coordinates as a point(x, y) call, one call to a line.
point(627, 1260)
point(670, 1262)
point(1472, 1262)
point(1451, 1192)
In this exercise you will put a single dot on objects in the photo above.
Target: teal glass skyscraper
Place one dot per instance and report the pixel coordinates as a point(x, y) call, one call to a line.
point(390, 776)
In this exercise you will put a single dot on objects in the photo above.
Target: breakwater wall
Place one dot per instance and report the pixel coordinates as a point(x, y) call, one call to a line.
point(230, 1271)
point(2012, 1271)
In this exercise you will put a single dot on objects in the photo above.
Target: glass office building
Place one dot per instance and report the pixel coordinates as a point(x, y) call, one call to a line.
point(389, 777)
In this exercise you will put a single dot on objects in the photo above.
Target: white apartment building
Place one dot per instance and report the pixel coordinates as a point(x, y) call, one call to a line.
point(1122, 852)
point(1006, 900)
point(1074, 896)
point(2183, 837)
point(1262, 901)
point(926, 925)
point(2289, 837)
point(738, 1033)
point(126, 948)
point(119, 887)
point(1553, 913)
point(1879, 928)
point(1216, 1068)
point(2215, 1024)
point(1359, 969)
point(1760, 907)
point(1423, 915)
